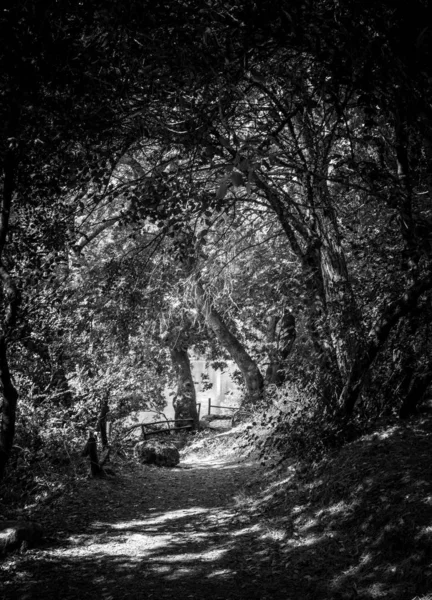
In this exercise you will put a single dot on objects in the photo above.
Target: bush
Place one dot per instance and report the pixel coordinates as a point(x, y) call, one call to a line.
point(299, 426)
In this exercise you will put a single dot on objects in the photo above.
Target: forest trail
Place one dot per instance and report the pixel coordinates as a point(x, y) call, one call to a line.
point(356, 526)
point(149, 533)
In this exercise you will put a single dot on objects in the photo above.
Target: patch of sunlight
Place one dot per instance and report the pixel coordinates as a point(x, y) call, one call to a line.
point(353, 571)
point(380, 435)
point(281, 482)
point(221, 516)
point(162, 569)
point(246, 530)
point(275, 535)
point(162, 518)
point(388, 433)
point(298, 509)
point(311, 540)
point(426, 530)
point(221, 573)
point(365, 559)
point(333, 510)
point(209, 556)
point(133, 545)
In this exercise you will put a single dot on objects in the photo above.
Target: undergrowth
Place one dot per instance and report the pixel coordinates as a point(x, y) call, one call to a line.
point(292, 424)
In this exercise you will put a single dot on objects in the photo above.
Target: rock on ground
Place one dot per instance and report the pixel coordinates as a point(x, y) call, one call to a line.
point(14, 534)
point(157, 453)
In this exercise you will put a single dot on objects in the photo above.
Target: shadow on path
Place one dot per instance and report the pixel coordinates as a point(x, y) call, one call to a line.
point(359, 528)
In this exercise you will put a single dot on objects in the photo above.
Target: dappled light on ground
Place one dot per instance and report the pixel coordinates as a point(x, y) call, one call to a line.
point(357, 526)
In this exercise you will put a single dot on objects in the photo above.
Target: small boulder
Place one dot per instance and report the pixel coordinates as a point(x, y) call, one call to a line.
point(153, 452)
point(17, 534)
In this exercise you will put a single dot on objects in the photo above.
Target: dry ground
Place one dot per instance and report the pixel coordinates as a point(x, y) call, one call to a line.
point(357, 526)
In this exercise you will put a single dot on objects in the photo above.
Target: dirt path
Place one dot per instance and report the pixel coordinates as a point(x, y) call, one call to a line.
point(355, 527)
point(150, 533)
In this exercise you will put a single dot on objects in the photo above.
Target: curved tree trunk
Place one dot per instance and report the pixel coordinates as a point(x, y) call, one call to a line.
point(249, 369)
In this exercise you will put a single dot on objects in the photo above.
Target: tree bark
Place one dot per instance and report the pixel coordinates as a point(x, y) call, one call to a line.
point(184, 402)
point(343, 316)
point(281, 335)
point(9, 402)
point(249, 369)
point(417, 389)
point(9, 395)
point(308, 251)
point(404, 198)
point(377, 338)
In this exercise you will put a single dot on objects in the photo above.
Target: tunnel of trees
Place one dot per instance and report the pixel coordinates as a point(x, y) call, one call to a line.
point(243, 181)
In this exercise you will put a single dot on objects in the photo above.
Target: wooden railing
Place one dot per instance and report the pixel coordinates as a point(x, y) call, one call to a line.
point(210, 406)
point(165, 430)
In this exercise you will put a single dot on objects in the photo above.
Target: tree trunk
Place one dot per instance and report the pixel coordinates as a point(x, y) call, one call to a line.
point(184, 402)
point(404, 198)
point(417, 389)
point(8, 393)
point(249, 369)
point(344, 319)
point(377, 338)
point(310, 259)
point(281, 340)
point(9, 397)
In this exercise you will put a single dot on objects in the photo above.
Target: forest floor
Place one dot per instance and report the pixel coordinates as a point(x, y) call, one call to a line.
point(356, 526)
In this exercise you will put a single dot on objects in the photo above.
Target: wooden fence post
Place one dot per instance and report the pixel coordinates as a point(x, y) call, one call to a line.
point(90, 450)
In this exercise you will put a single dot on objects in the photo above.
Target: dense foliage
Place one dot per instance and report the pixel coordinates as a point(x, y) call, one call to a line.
point(245, 181)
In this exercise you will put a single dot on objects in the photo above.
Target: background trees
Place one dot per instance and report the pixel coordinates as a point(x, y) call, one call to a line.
point(255, 179)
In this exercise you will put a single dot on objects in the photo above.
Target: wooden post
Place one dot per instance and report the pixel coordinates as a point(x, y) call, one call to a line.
point(209, 406)
point(90, 450)
point(102, 422)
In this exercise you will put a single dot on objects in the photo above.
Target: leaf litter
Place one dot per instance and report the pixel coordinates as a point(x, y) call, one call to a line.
point(357, 525)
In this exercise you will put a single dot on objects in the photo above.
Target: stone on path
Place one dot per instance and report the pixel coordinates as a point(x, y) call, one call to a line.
point(16, 534)
point(157, 453)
